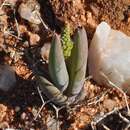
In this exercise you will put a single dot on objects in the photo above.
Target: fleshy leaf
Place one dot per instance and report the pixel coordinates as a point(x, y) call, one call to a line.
point(57, 66)
point(77, 68)
point(67, 43)
point(51, 91)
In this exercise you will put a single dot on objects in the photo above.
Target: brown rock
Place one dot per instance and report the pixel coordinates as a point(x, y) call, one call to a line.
point(34, 38)
point(45, 51)
point(109, 104)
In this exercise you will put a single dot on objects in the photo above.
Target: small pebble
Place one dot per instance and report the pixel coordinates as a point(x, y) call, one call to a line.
point(45, 51)
point(26, 44)
point(23, 116)
point(27, 122)
point(90, 20)
point(121, 15)
point(109, 104)
point(34, 39)
point(82, 17)
point(22, 28)
point(34, 111)
point(17, 109)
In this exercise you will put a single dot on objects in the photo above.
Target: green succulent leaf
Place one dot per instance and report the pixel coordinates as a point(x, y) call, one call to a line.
point(57, 66)
point(77, 68)
point(51, 91)
point(67, 43)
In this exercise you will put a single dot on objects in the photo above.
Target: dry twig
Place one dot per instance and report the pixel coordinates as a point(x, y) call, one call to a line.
point(57, 114)
point(45, 26)
point(104, 116)
point(123, 118)
point(98, 98)
point(17, 25)
point(7, 32)
point(119, 89)
point(43, 103)
point(105, 127)
point(2, 4)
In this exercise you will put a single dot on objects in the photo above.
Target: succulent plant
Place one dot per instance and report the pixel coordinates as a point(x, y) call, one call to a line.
point(67, 81)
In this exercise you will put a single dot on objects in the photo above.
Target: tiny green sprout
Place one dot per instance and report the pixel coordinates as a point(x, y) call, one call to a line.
point(67, 43)
point(67, 79)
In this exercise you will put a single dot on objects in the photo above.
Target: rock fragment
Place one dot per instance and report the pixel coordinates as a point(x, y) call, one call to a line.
point(109, 56)
point(45, 51)
point(30, 11)
point(7, 77)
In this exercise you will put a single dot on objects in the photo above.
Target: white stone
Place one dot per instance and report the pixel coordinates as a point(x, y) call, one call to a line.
point(109, 55)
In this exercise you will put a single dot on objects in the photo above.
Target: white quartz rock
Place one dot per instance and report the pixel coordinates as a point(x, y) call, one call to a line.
point(7, 77)
point(109, 56)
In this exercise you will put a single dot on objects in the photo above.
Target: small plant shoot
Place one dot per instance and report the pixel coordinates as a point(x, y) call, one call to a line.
point(67, 81)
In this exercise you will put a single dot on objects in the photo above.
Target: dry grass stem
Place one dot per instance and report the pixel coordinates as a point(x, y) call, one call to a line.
point(123, 118)
point(119, 89)
point(45, 26)
point(17, 25)
point(105, 127)
point(98, 98)
point(43, 103)
point(57, 115)
point(9, 33)
point(104, 116)
point(2, 4)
